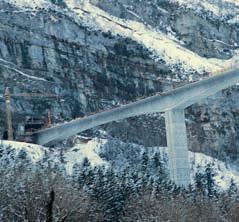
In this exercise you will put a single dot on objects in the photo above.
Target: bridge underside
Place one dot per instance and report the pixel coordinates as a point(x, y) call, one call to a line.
point(172, 103)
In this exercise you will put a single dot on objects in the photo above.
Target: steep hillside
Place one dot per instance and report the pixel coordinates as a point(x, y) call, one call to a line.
point(110, 153)
point(97, 54)
point(205, 27)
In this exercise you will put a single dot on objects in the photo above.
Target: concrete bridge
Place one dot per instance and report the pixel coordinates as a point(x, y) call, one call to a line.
point(172, 103)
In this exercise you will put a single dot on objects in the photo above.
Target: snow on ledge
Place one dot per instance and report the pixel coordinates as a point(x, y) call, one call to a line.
point(216, 7)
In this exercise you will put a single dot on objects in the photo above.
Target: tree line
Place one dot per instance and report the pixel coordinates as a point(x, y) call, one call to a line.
point(142, 193)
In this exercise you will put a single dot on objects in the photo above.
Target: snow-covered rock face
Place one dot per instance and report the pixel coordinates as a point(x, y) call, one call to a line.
point(226, 9)
point(100, 53)
point(160, 44)
point(205, 27)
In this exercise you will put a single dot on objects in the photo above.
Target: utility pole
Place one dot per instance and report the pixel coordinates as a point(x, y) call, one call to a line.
point(9, 114)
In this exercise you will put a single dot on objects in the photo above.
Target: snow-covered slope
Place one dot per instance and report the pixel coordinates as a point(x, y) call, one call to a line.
point(221, 8)
point(224, 173)
point(35, 152)
point(158, 43)
point(92, 148)
point(30, 3)
point(162, 46)
point(89, 150)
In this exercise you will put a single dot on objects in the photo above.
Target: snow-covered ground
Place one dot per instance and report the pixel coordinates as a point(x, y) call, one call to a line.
point(224, 173)
point(198, 161)
point(162, 46)
point(35, 152)
point(90, 149)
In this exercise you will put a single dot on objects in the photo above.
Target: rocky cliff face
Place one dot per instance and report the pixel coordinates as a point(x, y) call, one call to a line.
point(46, 50)
point(198, 28)
point(87, 69)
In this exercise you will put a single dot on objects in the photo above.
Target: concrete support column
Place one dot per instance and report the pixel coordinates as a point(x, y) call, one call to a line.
point(177, 145)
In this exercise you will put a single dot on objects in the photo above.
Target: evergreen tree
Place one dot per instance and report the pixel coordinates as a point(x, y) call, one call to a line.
point(23, 162)
point(144, 163)
point(205, 181)
point(86, 175)
point(158, 167)
point(232, 190)
point(59, 2)
point(126, 183)
point(112, 198)
point(199, 181)
point(99, 179)
point(22, 155)
point(76, 173)
point(210, 180)
point(143, 173)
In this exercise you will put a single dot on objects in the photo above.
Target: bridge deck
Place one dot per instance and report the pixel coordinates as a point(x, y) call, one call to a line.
point(181, 97)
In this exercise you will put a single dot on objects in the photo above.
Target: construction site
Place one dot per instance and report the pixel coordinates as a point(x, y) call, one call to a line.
point(24, 127)
point(21, 128)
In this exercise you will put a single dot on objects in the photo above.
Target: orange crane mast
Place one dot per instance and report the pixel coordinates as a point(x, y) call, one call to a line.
point(8, 97)
point(9, 114)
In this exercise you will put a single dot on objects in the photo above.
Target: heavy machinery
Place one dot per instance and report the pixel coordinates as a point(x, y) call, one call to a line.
point(32, 124)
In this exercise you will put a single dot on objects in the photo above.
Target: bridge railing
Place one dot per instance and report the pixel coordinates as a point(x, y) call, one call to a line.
point(217, 72)
point(230, 67)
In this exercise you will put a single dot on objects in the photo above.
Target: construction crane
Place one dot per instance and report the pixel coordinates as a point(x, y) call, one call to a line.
point(8, 97)
point(9, 114)
point(49, 118)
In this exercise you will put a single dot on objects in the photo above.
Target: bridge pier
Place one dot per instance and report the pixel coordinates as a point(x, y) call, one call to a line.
point(177, 147)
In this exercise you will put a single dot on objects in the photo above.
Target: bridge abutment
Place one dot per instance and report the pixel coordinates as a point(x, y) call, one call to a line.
point(177, 147)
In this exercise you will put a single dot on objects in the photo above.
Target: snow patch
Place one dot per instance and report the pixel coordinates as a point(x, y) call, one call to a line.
point(22, 73)
point(35, 152)
point(29, 3)
point(83, 150)
point(224, 173)
point(217, 7)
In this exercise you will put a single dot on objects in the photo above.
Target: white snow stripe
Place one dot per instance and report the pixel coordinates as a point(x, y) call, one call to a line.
point(24, 74)
point(158, 43)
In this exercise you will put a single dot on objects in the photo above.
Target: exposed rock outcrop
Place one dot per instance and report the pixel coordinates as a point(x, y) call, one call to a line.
point(47, 51)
